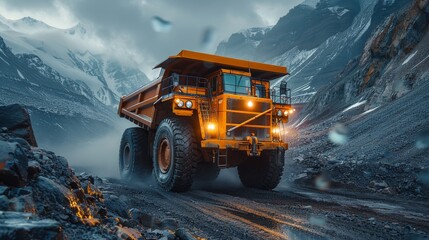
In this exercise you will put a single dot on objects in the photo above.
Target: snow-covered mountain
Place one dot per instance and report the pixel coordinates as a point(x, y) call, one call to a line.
point(316, 40)
point(72, 56)
point(69, 84)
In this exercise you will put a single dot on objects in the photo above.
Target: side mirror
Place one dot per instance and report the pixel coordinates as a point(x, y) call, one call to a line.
point(283, 88)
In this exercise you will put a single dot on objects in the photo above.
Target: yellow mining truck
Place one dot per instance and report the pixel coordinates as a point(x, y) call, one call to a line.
point(204, 113)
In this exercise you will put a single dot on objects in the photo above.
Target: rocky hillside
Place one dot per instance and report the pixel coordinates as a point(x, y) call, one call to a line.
point(317, 39)
point(41, 197)
point(369, 128)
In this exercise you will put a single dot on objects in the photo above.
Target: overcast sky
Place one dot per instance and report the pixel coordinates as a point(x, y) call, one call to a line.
point(126, 26)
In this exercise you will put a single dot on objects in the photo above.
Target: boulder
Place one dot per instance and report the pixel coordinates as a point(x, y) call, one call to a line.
point(17, 120)
point(18, 225)
point(13, 164)
point(183, 234)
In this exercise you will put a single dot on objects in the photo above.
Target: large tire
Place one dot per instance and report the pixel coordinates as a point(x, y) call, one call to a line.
point(262, 172)
point(175, 155)
point(134, 161)
point(207, 171)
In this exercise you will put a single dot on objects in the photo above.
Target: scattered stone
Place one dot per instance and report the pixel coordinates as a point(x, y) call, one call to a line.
point(300, 176)
point(127, 233)
point(183, 234)
point(378, 184)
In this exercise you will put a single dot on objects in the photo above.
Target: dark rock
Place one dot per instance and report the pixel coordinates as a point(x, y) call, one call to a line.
point(169, 223)
point(21, 141)
point(3, 190)
point(33, 169)
point(15, 225)
point(116, 206)
point(80, 195)
point(53, 191)
point(17, 120)
point(15, 163)
point(183, 234)
point(5, 204)
point(164, 234)
point(144, 219)
point(102, 212)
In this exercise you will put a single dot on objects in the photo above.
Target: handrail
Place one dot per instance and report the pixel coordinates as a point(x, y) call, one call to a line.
point(185, 84)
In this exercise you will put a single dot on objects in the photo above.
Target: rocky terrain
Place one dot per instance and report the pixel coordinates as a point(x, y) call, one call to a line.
point(41, 197)
point(369, 128)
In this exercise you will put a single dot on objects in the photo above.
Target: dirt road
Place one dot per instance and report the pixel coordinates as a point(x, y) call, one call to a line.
point(226, 210)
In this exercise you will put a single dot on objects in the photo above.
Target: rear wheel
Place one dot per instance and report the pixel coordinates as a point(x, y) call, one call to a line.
point(262, 172)
point(175, 155)
point(134, 161)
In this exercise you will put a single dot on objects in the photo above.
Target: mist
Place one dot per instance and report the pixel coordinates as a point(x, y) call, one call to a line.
point(99, 155)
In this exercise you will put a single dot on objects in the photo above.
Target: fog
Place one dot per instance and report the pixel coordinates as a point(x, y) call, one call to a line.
point(98, 155)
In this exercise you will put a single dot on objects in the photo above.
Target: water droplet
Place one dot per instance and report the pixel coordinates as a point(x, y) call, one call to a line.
point(322, 183)
point(208, 37)
point(338, 134)
point(317, 220)
point(161, 25)
point(422, 140)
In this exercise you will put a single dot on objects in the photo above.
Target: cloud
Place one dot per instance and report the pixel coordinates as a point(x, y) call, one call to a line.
point(125, 28)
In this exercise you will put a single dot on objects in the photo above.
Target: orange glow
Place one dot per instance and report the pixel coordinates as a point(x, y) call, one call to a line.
point(84, 214)
point(250, 104)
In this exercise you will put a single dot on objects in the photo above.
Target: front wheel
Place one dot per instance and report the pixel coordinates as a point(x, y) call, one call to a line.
point(175, 155)
point(263, 172)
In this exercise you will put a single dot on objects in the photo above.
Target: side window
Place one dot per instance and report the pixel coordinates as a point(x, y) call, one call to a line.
point(260, 91)
point(214, 84)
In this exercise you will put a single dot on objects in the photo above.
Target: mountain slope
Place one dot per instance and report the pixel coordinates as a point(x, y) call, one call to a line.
point(317, 41)
point(71, 54)
point(59, 113)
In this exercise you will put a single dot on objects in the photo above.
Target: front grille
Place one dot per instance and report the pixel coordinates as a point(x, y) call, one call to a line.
point(237, 118)
point(241, 105)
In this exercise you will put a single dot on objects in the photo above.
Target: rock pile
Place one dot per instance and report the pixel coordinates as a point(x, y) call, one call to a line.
point(42, 198)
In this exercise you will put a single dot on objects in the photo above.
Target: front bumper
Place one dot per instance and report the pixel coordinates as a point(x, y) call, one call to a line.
point(241, 145)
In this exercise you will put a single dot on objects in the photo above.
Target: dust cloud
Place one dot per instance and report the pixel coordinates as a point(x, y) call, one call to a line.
point(97, 155)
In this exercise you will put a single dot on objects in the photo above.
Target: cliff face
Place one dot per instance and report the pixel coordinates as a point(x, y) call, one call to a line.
point(316, 41)
point(394, 62)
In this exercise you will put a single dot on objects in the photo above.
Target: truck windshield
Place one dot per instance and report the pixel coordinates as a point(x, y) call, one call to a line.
point(237, 84)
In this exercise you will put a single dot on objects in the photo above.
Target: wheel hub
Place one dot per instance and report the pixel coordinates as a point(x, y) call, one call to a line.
point(126, 155)
point(164, 155)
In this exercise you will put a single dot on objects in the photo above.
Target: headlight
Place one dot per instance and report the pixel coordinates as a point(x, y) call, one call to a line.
point(279, 113)
point(291, 111)
point(276, 130)
point(286, 113)
point(180, 103)
point(250, 104)
point(211, 126)
point(188, 104)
